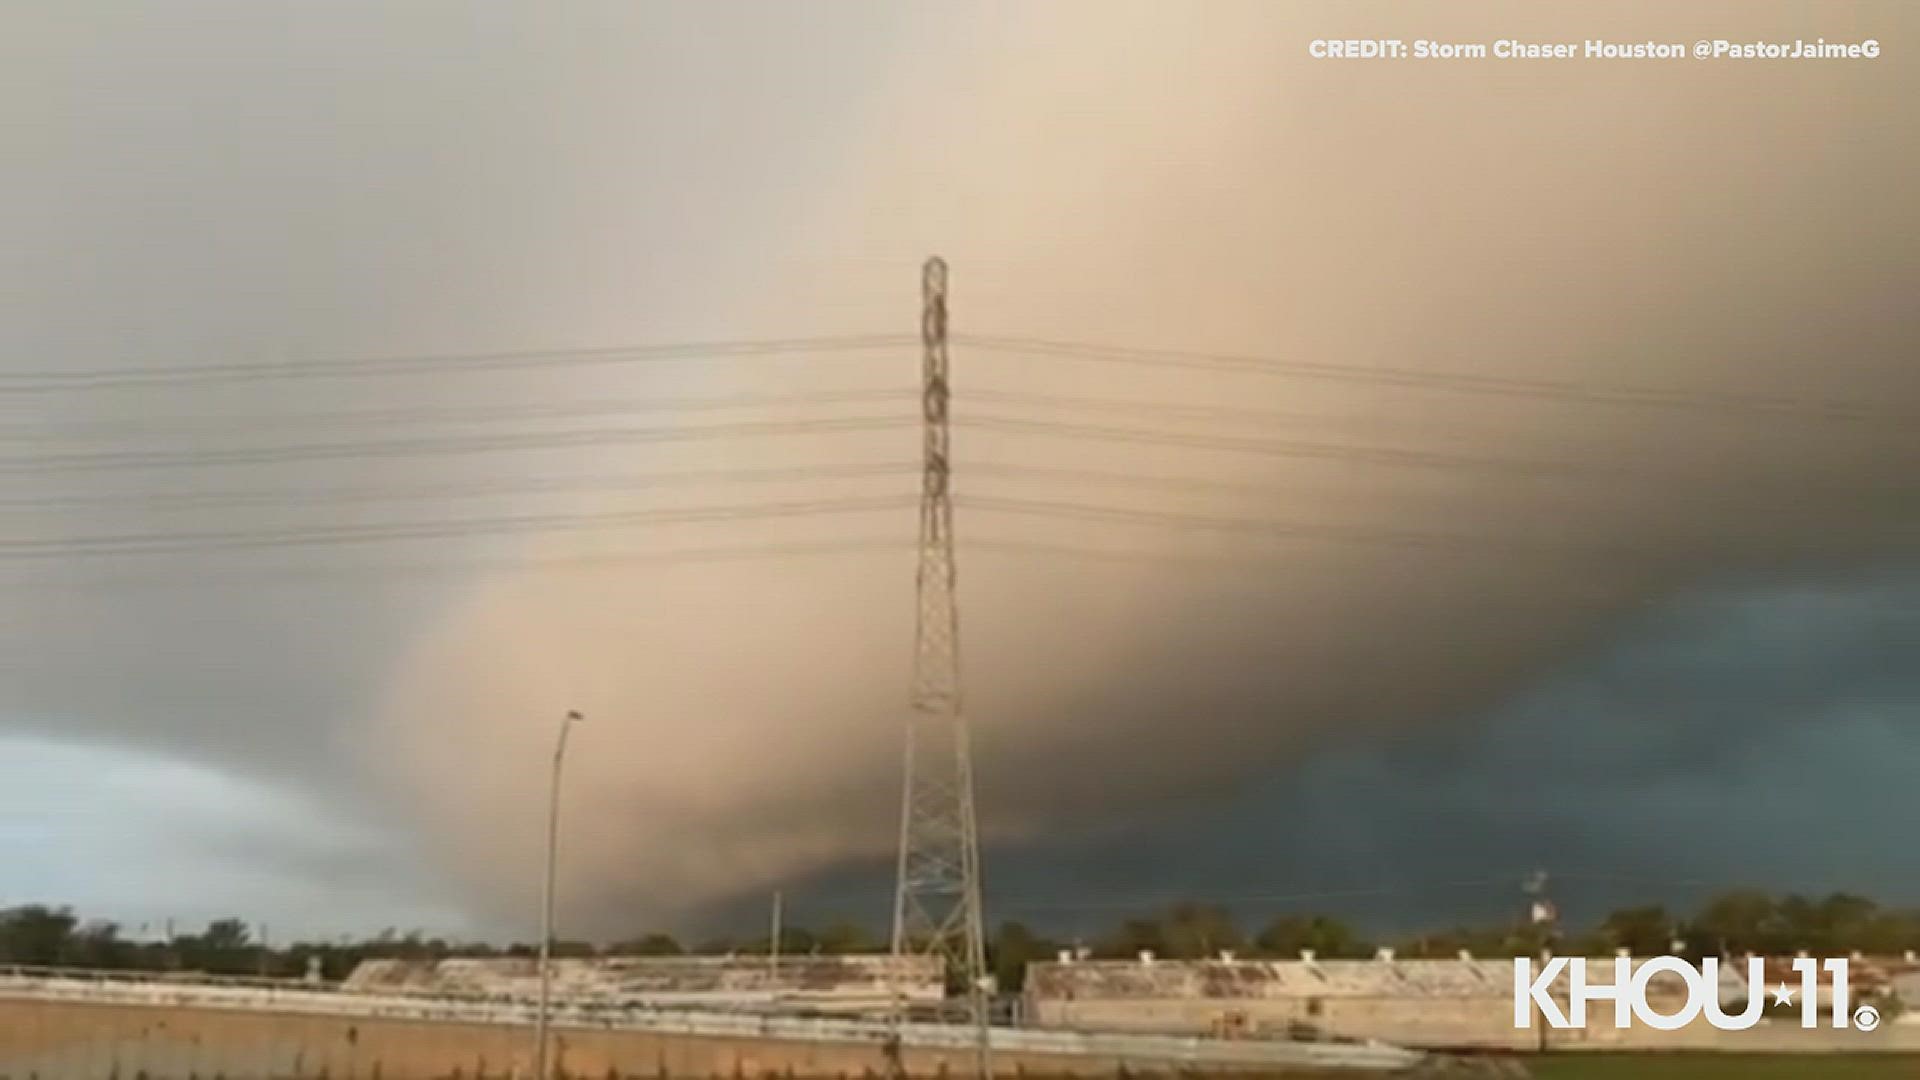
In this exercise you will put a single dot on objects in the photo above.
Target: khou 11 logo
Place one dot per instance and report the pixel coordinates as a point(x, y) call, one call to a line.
point(1629, 994)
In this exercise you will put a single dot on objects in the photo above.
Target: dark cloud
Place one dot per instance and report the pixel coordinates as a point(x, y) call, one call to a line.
point(1739, 238)
point(1748, 735)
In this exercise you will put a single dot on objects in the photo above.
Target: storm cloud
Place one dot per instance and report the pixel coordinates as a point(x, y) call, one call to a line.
point(1677, 298)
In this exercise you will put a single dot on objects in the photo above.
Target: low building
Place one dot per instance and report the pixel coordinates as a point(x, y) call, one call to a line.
point(1458, 1004)
point(1453, 1003)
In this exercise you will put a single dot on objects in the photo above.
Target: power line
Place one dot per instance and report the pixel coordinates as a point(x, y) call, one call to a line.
point(1235, 562)
point(1184, 485)
point(410, 447)
point(1169, 410)
point(1456, 382)
point(1194, 485)
point(1358, 454)
point(39, 382)
point(1297, 530)
point(1163, 410)
point(439, 567)
point(186, 542)
point(49, 381)
point(1544, 590)
point(1275, 447)
point(40, 433)
point(1146, 903)
point(1550, 588)
point(1559, 589)
point(642, 481)
point(86, 461)
point(176, 542)
point(613, 484)
point(385, 568)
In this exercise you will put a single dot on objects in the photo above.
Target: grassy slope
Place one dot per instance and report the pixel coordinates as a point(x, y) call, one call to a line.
point(1726, 1067)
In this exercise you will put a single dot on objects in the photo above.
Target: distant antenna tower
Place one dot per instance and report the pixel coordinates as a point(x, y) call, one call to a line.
point(937, 908)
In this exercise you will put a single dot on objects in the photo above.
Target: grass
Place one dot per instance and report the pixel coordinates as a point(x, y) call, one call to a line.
point(1725, 1067)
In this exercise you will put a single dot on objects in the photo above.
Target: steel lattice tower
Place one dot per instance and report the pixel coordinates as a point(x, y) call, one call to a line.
point(937, 908)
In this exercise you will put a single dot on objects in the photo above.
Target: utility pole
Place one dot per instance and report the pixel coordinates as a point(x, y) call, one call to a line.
point(773, 940)
point(546, 900)
point(1543, 917)
point(937, 909)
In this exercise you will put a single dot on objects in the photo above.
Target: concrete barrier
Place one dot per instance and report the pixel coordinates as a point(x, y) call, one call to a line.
point(59, 1027)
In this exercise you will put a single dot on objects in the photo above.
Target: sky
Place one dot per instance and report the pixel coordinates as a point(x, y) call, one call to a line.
point(1585, 389)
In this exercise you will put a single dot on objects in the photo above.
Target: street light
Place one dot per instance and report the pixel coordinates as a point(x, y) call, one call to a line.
point(546, 899)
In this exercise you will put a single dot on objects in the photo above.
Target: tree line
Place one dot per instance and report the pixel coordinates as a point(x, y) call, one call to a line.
point(1731, 923)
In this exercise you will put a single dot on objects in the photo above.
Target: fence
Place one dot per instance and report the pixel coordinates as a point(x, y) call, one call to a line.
point(267, 995)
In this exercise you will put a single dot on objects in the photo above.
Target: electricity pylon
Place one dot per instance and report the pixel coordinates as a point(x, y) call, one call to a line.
point(936, 908)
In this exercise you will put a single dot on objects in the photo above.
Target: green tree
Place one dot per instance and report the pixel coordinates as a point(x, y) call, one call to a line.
point(1845, 922)
point(1647, 931)
point(1328, 938)
point(655, 944)
point(1194, 931)
point(97, 944)
point(842, 938)
point(1131, 937)
point(1185, 931)
point(226, 935)
point(225, 947)
point(1739, 921)
point(1483, 942)
point(1012, 949)
point(1888, 933)
point(36, 934)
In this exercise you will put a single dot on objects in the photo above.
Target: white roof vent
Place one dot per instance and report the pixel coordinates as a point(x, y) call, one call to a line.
point(1146, 956)
point(1226, 956)
point(1465, 954)
point(1306, 955)
point(1912, 957)
point(1384, 955)
point(1065, 956)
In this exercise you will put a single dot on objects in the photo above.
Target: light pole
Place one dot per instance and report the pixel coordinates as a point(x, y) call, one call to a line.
point(546, 899)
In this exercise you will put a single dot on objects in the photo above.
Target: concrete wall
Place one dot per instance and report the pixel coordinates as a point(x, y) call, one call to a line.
point(1455, 1004)
point(69, 1041)
point(1467, 1022)
point(815, 983)
point(1427, 1004)
point(50, 1038)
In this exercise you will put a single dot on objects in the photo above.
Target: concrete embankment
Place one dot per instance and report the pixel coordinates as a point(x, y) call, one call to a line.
point(55, 1031)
